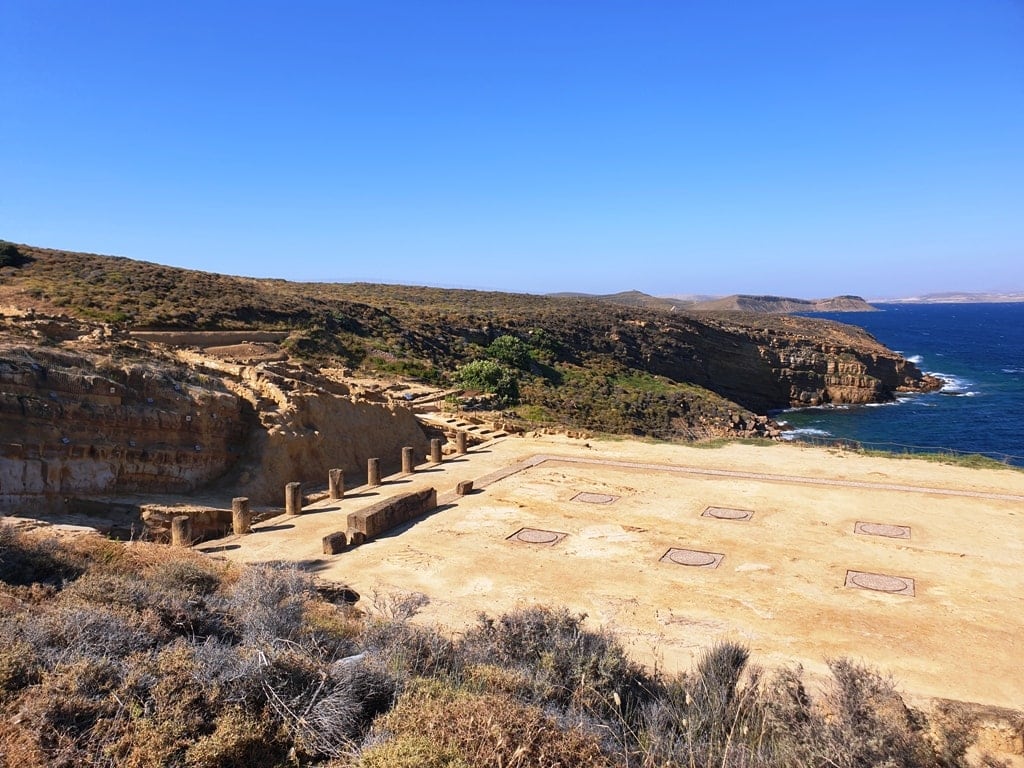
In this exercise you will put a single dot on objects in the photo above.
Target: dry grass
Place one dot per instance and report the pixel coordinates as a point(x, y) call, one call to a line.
point(139, 655)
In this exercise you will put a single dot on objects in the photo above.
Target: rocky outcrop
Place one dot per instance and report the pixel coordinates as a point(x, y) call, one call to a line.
point(766, 362)
point(77, 424)
point(306, 429)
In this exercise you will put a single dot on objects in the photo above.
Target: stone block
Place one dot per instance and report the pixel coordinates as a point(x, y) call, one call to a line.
point(390, 513)
point(335, 543)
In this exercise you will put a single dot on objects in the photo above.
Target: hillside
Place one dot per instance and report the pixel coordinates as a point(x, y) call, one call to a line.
point(77, 364)
point(631, 299)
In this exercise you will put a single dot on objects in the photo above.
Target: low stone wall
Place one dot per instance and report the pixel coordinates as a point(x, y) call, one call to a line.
point(207, 523)
point(387, 514)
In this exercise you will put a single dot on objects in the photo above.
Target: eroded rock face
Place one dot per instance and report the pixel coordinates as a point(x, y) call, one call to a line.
point(79, 424)
point(309, 430)
point(764, 364)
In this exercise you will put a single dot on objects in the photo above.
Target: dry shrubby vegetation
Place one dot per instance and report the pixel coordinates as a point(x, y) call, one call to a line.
point(135, 655)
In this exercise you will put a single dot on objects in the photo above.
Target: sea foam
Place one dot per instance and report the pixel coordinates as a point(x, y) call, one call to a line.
point(793, 434)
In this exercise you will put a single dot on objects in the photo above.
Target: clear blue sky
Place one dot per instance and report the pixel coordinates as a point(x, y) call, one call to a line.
point(796, 147)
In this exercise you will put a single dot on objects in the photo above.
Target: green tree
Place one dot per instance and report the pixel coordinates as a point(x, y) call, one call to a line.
point(490, 376)
point(10, 256)
point(510, 351)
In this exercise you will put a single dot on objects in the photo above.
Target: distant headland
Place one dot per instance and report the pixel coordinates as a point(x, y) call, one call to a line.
point(737, 302)
point(959, 297)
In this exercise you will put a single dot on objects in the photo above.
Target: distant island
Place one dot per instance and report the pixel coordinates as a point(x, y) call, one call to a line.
point(959, 297)
point(734, 303)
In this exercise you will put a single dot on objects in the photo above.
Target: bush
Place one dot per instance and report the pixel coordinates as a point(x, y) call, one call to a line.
point(490, 376)
point(566, 664)
point(437, 725)
point(268, 602)
point(34, 559)
point(10, 256)
point(510, 351)
point(868, 721)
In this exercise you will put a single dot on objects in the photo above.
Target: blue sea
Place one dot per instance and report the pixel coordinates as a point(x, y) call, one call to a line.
point(978, 352)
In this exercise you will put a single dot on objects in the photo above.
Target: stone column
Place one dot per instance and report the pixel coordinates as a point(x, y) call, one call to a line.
point(293, 499)
point(460, 443)
point(373, 472)
point(336, 483)
point(181, 531)
point(464, 488)
point(435, 450)
point(407, 461)
point(241, 519)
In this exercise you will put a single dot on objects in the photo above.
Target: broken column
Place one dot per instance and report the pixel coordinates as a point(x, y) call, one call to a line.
point(335, 483)
point(435, 451)
point(241, 519)
point(464, 488)
point(293, 499)
point(373, 472)
point(460, 442)
point(181, 531)
point(335, 543)
point(407, 460)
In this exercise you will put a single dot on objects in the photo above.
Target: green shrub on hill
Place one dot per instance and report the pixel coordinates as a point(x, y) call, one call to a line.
point(11, 256)
point(490, 376)
point(511, 351)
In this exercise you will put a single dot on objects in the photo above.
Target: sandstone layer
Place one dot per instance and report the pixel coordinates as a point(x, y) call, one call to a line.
point(84, 416)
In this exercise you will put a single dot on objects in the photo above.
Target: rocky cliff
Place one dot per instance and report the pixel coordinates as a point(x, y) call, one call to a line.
point(783, 305)
point(102, 417)
point(765, 363)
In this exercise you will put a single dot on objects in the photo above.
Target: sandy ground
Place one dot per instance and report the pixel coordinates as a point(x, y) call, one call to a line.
point(780, 586)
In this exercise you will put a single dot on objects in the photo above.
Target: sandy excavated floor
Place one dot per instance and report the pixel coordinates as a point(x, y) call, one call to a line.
point(779, 587)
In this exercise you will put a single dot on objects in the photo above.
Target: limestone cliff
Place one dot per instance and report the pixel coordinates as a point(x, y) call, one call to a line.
point(111, 418)
point(768, 363)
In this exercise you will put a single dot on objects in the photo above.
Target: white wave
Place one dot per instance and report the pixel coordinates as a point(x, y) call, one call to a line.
point(952, 385)
point(915, 359)
point(1013, 370)
point(793, 434)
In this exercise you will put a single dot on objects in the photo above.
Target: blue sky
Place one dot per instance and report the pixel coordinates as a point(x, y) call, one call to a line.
point(795, 147)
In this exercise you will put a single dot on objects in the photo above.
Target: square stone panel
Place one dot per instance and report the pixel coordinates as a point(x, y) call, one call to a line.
point(595, 498)
point(536, 536)
point(879, 582)
point(727, 513)
point(692, 558)
point(883, 529)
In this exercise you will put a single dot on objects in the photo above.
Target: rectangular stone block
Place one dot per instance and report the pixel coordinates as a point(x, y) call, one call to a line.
point(385, 515)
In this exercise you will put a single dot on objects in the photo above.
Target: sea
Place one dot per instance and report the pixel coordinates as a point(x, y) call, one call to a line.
point(977, 350)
